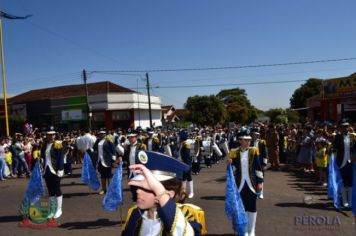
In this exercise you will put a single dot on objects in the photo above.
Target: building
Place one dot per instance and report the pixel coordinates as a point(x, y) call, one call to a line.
point(109, 105)
point(336, 101)
point(168, 114)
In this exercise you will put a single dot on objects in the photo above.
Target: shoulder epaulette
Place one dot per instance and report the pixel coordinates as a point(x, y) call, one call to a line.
point(187, 145)
point(194, 213)
point(233, 153)
point(254, 150)
point(57, 144)
point(143, 146)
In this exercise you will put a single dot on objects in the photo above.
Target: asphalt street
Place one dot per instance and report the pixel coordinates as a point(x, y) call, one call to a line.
point(293, 205)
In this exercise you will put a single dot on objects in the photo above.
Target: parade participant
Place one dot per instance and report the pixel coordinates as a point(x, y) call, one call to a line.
point(105, 151)
point(151, 142)
point(195, 152)
point(206, 148)
point(160, 136)
point(130, 152)
point(159, 187)
point(53, 161)
point(184, 153)
point(260, 144)
point(345, 149)
point(249, 177)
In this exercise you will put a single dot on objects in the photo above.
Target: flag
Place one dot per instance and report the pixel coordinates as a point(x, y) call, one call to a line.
point(335, 182)
point(35, 190)
point(12, 17)
point(234, 207)
point(89, 176)
point(354, 188)
point(114, 196)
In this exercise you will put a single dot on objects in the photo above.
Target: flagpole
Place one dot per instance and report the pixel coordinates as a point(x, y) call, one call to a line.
point(4, 79)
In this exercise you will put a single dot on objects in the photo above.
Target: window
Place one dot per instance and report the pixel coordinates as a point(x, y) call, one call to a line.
point(120, 115)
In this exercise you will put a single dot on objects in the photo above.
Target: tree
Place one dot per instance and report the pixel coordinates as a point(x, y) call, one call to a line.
point(205, 110)
point(238, 106)
point(280, 115)
point(299, 98)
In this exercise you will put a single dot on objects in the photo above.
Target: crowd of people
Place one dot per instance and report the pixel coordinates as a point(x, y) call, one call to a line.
point(249, 149)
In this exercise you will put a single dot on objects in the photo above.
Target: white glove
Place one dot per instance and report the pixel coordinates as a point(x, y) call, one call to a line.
point(114, 158)
point(60, 173)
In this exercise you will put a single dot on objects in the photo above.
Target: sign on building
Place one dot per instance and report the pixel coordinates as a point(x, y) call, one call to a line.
point(341, 87)
point(72, 115)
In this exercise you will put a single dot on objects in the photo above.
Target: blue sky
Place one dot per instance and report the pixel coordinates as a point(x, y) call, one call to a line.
point(64, 37)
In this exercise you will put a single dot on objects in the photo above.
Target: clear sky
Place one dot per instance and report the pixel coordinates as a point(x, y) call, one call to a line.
point(64, 37)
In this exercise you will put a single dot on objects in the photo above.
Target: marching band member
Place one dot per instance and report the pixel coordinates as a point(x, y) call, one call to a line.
point(184, 153)
point(158, 182)
point(249, 177)
point(130, 153)
point(345, 149)
point(52, 154)
point(260, 144)
point(104, 148)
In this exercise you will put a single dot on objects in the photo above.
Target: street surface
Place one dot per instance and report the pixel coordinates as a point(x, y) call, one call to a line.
point(293, 205)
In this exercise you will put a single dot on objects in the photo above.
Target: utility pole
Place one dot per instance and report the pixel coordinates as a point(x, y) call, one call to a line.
point(4, 80)
point(87, 98)
point(11, 17)
point(149, 99)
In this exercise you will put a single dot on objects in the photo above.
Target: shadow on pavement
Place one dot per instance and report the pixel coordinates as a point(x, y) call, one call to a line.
point(10, 219)
point(213, 198)
point(73, 184)
point(90, 224)
point(69, 195)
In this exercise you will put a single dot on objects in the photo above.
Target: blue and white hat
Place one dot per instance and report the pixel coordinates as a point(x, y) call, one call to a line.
point(162, 166)
point(244, 133)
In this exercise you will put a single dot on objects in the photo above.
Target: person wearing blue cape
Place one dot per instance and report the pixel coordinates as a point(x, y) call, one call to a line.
point(52, 154)
point(104, 149)
point(158, 179)
point(249, 176)
point(345, 148)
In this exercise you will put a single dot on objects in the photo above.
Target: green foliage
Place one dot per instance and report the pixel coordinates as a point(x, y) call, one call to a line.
point(280, 115)
point(293, 116)
point(299, 98)
point(205, 110)
point(238, 106)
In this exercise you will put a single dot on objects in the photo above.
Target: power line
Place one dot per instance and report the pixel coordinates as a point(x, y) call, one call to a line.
point(222, 85)
point(229, 67)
